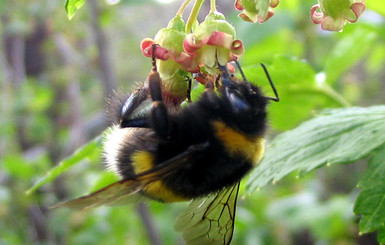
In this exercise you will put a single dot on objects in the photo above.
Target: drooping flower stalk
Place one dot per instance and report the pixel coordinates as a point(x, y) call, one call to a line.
point(192, 19)
point(183, 8)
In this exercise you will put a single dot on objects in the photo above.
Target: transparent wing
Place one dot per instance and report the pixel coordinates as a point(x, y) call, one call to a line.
point(209, 220)
point(114, 194)
point(123, 192)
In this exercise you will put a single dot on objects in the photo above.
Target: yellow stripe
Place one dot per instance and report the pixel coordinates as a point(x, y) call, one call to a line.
point(143, 161)
point(237, 143)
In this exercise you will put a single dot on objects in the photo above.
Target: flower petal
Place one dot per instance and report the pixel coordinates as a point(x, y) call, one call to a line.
point(237, 48)
point(316, 17)
point(220, 39)
point(330, 24)
point(160, 52)
point(357, 9)
point(145, 46)
point(247, 17)
point(274, 3)
point(238, 4)
point(270, 13)
point(191, 44)
point(188, 62)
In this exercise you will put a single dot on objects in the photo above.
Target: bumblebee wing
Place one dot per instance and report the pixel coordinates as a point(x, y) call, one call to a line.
point(209, 220)
point(122, 192)
point(114, 194)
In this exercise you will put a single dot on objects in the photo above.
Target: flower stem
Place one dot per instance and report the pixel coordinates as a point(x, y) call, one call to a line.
point(213, 6)
point(182, 8)
point(193, 15)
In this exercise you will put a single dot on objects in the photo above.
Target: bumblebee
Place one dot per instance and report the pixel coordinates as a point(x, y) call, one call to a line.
point(199, 152)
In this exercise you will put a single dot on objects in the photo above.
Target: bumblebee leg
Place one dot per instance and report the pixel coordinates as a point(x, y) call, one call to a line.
point(135, 123)
point(131, 104)
point(159, 112)
point(188, 95)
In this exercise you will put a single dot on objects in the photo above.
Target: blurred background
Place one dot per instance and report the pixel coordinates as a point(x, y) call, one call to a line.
point(55, 75)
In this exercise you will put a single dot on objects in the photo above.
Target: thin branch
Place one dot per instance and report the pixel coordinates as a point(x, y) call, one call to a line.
point(108, 74)
point(149, 224)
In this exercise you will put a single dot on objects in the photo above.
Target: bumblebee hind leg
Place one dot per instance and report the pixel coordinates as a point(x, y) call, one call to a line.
point(159, 112)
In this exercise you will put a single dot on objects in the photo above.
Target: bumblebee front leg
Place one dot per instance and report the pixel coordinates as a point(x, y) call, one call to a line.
point(159, 112)
point(188, 95)
point(130, 105)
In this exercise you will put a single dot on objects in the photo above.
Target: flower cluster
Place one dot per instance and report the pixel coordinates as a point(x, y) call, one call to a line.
point(183, 49)
point(335, 13)
point(212, 42)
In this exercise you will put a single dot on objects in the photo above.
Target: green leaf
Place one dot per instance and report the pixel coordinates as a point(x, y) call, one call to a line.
point(79, 155)
point(352, 47)
point(377, 6)
point(72, 6)
point(370, 202)
point(336, 136)
point(381, 235)
point(104, 180)
point(299, 92)
point(17, 166)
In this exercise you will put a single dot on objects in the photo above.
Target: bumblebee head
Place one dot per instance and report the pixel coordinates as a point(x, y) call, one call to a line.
point(245, 103)
point(242, 96)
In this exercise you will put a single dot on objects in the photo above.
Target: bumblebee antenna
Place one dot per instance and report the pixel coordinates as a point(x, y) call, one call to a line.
point(240, 70)
point(153, 47)
point(276, 99)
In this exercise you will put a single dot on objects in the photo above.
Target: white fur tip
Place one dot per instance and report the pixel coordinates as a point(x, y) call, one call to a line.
point(112, 146)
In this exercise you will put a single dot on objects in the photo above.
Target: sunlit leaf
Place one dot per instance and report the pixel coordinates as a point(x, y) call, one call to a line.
point(104, 180)
point(79, 155)
point(17, 166)
point(72, 6)
point(377, 6)
point(298, 90)
point(381, 235)
point(348, 51)
point(336, 136)
point(370, 202)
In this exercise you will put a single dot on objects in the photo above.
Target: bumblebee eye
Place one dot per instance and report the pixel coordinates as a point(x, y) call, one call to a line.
point(237, 101)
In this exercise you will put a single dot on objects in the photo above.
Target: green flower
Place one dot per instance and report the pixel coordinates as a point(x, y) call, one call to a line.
point(170, 59)
point(335, 13)
point(256, 10)
point(213, 42)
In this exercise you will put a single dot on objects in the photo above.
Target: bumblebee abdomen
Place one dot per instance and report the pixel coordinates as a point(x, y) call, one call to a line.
point(208, 173)
point(230, 156)
point(238, 144)
point(143, 161)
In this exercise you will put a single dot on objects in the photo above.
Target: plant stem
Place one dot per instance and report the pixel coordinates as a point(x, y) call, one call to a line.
point(182, 8)
point(331, 93)
point(193, 15)
point(324, 90)
point(213, 6)
point(148, 222)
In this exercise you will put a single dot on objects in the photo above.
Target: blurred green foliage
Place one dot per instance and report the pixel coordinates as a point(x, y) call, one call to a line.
point(312, 70)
